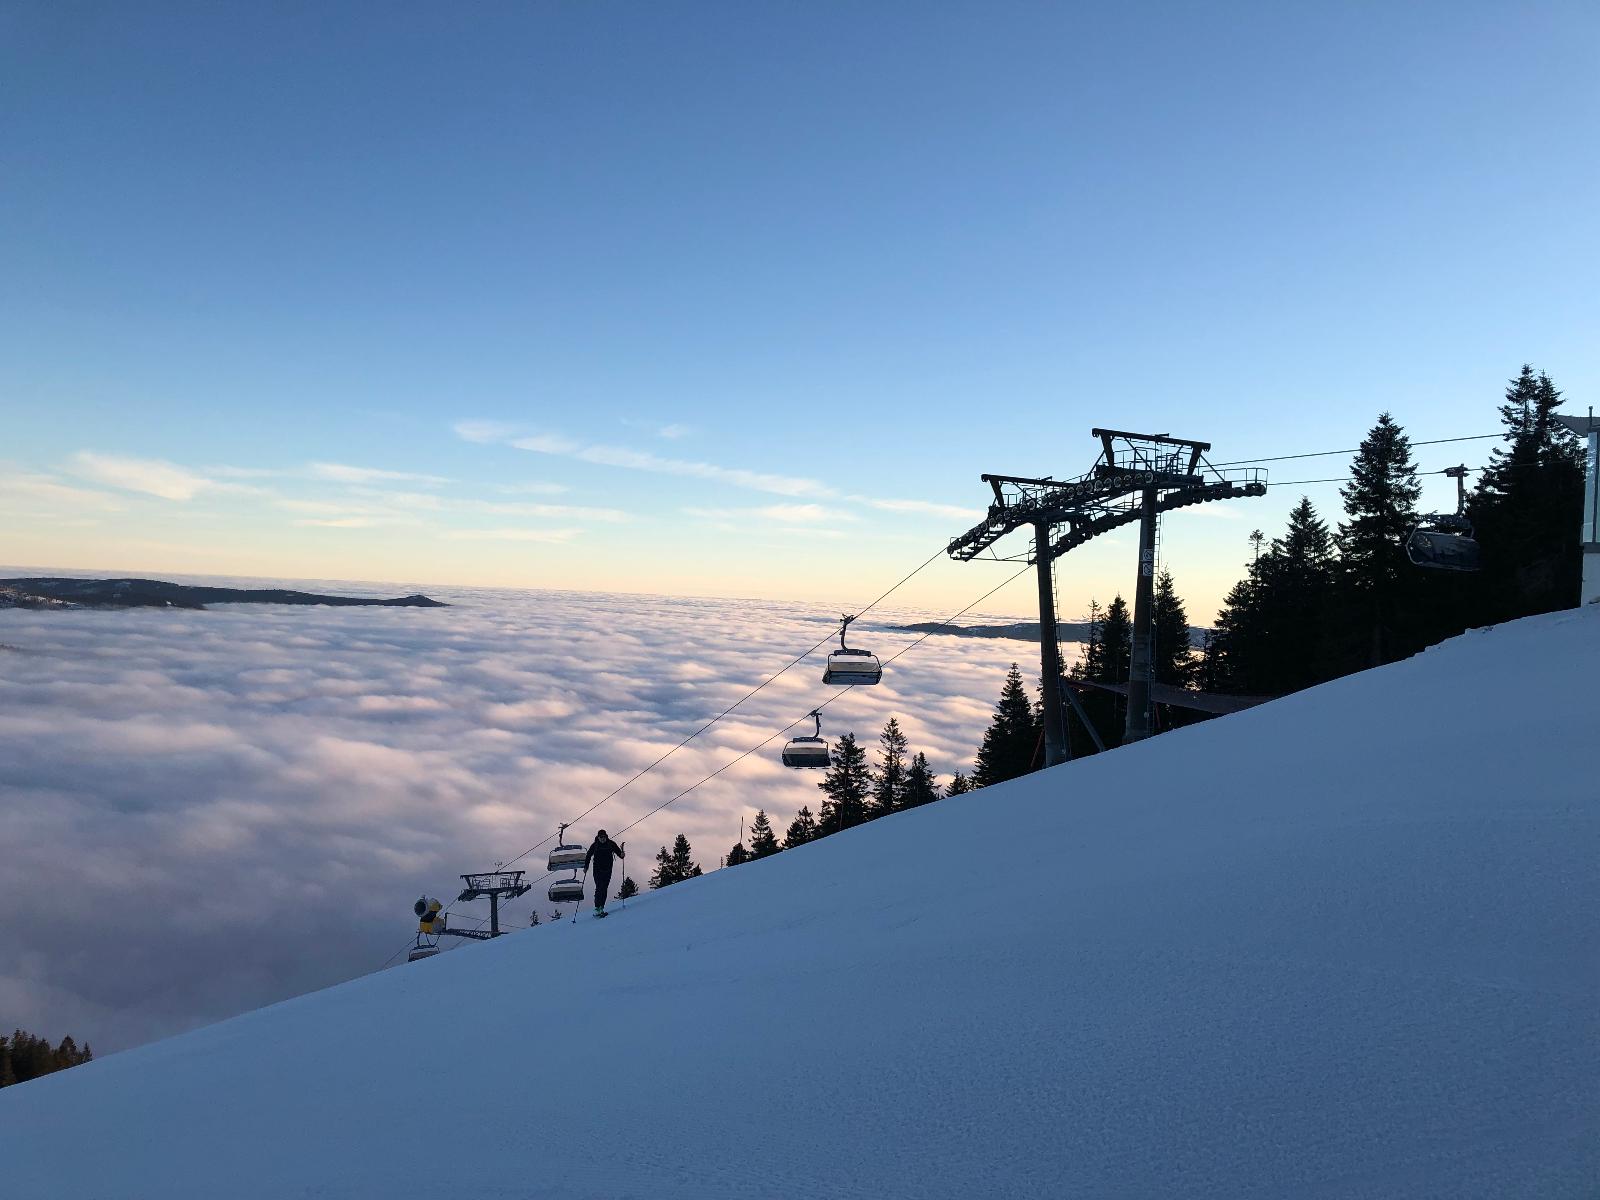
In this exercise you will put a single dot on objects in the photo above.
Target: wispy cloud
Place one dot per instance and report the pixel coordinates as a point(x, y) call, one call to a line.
point(485, 432)
point(515, 534)
point(532, 488)
point(670, 432)
point(344, 473)
point(151, 476)
point(954, 511)
point(785, 514)
point(30, 486)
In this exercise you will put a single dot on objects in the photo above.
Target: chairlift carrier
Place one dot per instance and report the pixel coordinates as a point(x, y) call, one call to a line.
point(848, 667)
point(811, 751)
point(566, 857)
point(1444, 541)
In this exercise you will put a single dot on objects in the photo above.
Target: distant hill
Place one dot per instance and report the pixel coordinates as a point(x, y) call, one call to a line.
point(1022, 631)
point(55, 592)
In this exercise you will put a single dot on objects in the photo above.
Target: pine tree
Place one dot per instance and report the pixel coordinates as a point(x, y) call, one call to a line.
point(665, 874)
point(1380, 504)
point(847, 785)
point(1012, 737)
point(921, 787)
point(738, 855)
point(802, 829)
point(629, 888)
point(1173, 656)
point(682, 866)
point(889, 780)
point(1526, 505)
point(959, 784)
point(763, 843)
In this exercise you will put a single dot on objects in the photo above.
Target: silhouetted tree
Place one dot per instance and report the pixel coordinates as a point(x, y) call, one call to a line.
point(738, 855)
point(763, 842)
point(920, 785)
point(958, 785)
point(1380, 504)
point(846, 785)
point(1527, 505)
point(889, 780)
point(801, 830)
point(628, 888)
point(1012, 737)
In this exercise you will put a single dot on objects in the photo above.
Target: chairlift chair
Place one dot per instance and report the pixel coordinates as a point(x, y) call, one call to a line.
point(563, 890)
point(420, 952)
point(567, 858)
point(1443, 541)
point(808, 751)
point(847, 667)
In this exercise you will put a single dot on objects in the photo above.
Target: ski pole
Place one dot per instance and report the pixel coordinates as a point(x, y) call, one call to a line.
point(579, 904)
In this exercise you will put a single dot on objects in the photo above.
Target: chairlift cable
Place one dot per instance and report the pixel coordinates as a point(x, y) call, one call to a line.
point(1245, 462)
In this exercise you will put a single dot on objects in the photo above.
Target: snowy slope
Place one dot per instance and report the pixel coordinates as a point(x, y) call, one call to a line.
point(1303, 951)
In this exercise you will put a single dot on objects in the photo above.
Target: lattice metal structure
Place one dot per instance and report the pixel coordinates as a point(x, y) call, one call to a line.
point(1137, 477)
point(494, 885)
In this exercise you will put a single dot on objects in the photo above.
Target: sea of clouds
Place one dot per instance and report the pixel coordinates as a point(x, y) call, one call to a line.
point(204, 812)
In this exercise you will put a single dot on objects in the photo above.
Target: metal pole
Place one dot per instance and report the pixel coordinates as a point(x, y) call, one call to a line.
point(494, 914)
point(1139, 666)
point(1049, 649)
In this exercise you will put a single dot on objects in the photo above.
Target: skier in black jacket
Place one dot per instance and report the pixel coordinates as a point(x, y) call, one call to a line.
point(601, 851)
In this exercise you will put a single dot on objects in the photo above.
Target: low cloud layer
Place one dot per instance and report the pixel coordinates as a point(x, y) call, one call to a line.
point(206, 812)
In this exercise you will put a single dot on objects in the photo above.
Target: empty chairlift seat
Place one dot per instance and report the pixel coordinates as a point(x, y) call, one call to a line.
point(848, 667)
point(1443, 550)
point(808, 751)
point(567, 858)
point(853, 666)
point(563, 890)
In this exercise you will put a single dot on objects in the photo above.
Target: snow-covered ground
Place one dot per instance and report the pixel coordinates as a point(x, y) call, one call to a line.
point(1343, 945)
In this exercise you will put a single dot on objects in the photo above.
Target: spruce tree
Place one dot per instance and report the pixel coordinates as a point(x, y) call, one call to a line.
point(738, 855)
point(1012, 737)
point(763, 843)
point(1174, 656)
point(1527, 505)
point(889, 780)
point(847, 784)
point(959, 784)
point(682, 866)
point(802, 829)
point(1380, 504)
point(666, 873)
point(628, 888)
point(921, 788)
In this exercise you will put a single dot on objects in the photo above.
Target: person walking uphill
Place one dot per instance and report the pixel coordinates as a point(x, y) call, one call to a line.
point(601, 851)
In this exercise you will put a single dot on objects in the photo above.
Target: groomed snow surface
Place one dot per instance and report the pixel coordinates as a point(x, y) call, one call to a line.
point(1343, 945)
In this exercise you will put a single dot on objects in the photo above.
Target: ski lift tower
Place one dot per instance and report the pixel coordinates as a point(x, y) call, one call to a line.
point(1137, 477)
point(493, 884)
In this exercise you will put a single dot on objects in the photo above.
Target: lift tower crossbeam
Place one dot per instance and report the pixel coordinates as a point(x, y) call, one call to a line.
point(1137, 477)
point(494, 885)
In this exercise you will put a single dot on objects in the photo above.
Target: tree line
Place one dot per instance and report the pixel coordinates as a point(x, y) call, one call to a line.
point(1315, 604)
point(24, 1056)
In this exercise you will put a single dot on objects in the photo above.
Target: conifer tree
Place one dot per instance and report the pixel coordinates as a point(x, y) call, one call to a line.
point(1380, 504)
point(683, 867)
point(921, 788)
point(1526, 506)
point(1173, 656)
point(847, 784)
point(1012, 737)
point(628, 888)
point(959, 784)
point(801, 830)
point(763, 843)
point(889, 780)
point(738, 855)
point(665, 874)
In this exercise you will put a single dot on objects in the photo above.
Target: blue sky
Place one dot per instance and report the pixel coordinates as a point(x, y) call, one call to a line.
point(765, 287)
